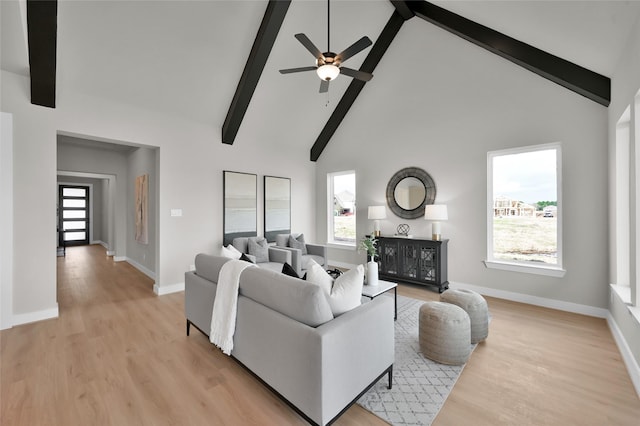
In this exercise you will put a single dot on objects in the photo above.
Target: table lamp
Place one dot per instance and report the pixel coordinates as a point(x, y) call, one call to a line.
point(435, 213)
point(376, 213)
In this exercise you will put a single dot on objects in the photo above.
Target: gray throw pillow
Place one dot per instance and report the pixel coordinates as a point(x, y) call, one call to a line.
point(259, 249)
point(298, 243)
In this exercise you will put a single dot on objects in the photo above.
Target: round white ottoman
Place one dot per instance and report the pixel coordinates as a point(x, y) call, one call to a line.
point(444, 333)
point(475, 306)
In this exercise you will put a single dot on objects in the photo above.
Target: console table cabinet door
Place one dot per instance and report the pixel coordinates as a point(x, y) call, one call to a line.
point(388, 257)
point(414, 261)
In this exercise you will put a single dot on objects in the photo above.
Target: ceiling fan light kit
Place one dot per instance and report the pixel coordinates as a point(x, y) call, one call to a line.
point(328, 72)
point(328, 64)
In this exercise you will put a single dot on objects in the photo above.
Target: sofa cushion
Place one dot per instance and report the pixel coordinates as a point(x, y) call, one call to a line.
point(346, 292)
point(318, 276)
point(288, 270)
point(230, 251)
point(208, 266)
point(259, 248)
point(298, 243)
point(247, 258)
point(292, 297)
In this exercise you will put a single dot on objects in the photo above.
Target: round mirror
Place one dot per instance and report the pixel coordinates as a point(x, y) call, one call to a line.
point(408, 191)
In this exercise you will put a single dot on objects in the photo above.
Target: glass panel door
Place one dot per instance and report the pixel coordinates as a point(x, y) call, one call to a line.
point(73, 205)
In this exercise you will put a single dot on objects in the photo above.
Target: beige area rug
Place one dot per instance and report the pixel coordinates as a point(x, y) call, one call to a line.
point(420, 386)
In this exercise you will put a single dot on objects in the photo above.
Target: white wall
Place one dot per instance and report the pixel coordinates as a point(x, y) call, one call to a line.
point(448, 105)
point(6, 220)
point(142, 161)
point(625, 85)
point(190, 177)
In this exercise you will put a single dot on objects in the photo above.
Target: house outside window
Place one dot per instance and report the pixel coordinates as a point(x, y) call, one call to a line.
point(524, 214)
point(342, 208)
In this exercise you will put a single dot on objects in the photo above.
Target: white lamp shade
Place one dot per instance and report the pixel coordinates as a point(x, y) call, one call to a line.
point(436, 212)
point(328, 72)
point(377, 212)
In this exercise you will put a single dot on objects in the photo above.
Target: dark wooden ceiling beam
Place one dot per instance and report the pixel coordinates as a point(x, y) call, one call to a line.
point(587, 83)
point(373, 58)
point(42, 30)
point(262, 45)
point(403, 9)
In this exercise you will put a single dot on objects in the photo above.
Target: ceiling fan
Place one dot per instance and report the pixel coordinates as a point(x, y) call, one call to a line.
point(329, 64)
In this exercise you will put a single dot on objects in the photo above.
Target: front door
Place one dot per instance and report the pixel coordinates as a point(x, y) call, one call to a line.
point(73, 215)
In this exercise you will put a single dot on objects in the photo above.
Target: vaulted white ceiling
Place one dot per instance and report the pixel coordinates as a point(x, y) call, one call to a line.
point(185, 57)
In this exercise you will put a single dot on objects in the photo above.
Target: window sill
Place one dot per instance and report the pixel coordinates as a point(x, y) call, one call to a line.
point(343, 246)
point(549, 271)
point(624, 294)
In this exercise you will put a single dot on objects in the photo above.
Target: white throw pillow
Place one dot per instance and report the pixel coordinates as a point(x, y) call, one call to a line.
point(230, 251)
point(346, 292)
point(318, 276)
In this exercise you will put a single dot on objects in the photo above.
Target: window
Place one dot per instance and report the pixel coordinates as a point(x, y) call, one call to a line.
point(524, 214)
point(622, 203)
point(342, 208)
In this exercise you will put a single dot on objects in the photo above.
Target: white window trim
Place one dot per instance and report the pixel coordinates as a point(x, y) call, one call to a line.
point(330, 193)
point(556, 270)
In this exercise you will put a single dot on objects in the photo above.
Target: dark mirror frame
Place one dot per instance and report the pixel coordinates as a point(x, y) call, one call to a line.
point(429, 189)
point(228, 188)
point(284, 205)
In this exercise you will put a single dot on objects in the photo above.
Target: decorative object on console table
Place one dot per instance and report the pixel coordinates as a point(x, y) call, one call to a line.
point(436, 213)
point(403, 230)
point(368, 244)
point(414, 261)
point(376, 213)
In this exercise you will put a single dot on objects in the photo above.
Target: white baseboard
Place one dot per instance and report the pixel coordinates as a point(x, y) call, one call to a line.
point(141, 268)
point(119, 258)
point(560, 305)
point(46, 314)
point(167, 289)
point(105, 245)
point(627, 355)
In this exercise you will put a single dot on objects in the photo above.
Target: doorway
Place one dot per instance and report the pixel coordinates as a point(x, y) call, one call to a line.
point(73, 215)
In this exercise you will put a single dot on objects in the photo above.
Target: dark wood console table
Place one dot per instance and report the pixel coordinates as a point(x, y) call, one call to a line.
point(413, 260)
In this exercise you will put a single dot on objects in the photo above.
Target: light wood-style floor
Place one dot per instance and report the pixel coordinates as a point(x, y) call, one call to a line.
point(118, 355)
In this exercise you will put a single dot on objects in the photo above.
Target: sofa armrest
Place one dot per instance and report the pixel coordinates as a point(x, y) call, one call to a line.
point(319, 370)
point(357, 347)
point(279, 255)
point(199, 294)
point(319, 250)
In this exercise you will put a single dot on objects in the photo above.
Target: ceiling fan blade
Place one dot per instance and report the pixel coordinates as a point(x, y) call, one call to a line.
point(360, 75)
point(324, 86)
point(309, 45)
point(290, 70)
point(355, 48)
